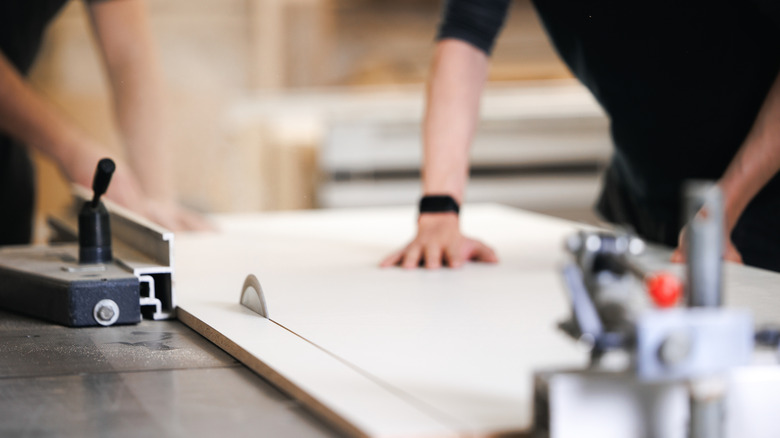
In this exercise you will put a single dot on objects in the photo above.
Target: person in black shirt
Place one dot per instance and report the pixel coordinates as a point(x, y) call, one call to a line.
point(143, 183)
point(692, 92)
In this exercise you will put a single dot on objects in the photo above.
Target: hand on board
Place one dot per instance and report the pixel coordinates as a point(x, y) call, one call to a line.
point(126, 191)
point(168, 213)
point(174, 216)
point(438, 243)
point(730, 252)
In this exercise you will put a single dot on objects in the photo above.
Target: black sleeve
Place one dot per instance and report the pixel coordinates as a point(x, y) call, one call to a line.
point(474, 21)
point(771, 8)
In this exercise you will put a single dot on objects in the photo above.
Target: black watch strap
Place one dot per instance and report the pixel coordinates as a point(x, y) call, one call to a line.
point(439, 204)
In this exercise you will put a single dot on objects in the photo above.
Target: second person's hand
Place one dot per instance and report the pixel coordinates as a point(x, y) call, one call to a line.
point(175, 217)
point(730, 252)
point(438, 243)
point(125, 189)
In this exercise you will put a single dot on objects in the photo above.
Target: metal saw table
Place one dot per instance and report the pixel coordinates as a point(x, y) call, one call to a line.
point(157, 378)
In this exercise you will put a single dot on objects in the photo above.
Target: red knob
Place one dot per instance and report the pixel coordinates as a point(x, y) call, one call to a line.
point(664, 288)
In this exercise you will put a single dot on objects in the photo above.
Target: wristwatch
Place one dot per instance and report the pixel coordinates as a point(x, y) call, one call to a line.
point(439, 204)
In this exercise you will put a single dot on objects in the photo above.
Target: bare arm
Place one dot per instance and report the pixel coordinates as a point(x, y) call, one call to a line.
point(126, 47)
point(125, 41)
point(458, 75)
point(756, 162)
point(26, 116)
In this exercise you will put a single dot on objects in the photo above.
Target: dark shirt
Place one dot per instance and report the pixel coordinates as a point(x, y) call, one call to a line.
point(682, 83)
point(22, 25)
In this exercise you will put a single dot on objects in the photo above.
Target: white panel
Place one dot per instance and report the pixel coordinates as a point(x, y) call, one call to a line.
point(459, 347)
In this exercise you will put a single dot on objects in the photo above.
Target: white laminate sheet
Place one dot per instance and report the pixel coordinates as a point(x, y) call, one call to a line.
point(415, 353)
point(460, 345)
point(348, 399)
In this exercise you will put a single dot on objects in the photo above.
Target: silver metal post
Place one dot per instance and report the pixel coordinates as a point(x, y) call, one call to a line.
point(705, 243)
point(707, 397)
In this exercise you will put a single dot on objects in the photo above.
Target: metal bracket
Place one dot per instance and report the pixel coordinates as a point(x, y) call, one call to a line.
point(141, 247)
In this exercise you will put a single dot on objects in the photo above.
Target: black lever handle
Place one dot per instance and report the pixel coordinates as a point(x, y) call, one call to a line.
point(105, 169)
point(94, 221)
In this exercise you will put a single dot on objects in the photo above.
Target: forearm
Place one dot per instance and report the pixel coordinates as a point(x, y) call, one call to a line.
point(143, 127)
point(123, 33)
point(757, 160)
point(458, 75)
point(27, 117)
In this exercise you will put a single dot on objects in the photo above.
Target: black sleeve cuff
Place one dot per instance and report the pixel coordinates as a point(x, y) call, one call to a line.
point(476, 22)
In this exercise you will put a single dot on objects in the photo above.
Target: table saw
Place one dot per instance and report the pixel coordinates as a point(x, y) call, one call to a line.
point(366, 351)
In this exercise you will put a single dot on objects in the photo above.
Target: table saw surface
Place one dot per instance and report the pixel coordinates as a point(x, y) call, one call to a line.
point(348, 347)
point(155, 379)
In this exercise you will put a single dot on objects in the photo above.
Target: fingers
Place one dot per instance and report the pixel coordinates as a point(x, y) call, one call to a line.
point(190, 221)
point(171, 215)
point(438, 243)
point(731, 254)
point(411, 258)
point(433, 256)
point(733, 257)
point(678, 256)
point(483, 253)
point(392, 260)
point(473, 250)
point(454, 257)
point(163, 220)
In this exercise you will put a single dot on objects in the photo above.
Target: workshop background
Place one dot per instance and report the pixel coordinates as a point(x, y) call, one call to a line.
point(291, 104)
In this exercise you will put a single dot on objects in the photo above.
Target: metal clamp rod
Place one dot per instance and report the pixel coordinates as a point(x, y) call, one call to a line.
point(704, 243)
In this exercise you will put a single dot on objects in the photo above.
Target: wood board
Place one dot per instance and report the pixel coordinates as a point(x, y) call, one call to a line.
point(388, 352)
